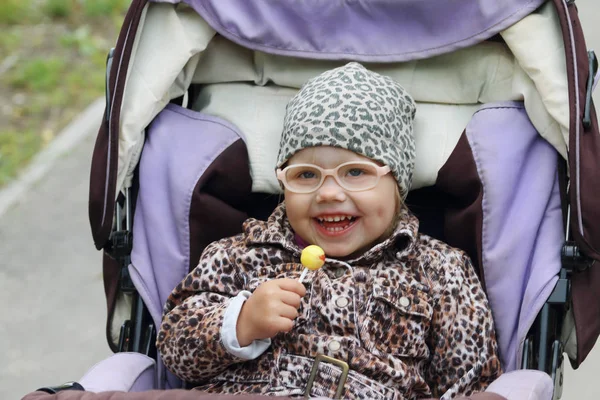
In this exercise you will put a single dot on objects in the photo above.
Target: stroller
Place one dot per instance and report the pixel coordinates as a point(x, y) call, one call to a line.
point(507, 156)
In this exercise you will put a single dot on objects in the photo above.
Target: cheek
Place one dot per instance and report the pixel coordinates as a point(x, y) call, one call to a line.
point(390, 207)
point(385, 213)
point(383, 207)
point(376, 209)
point(296, 208)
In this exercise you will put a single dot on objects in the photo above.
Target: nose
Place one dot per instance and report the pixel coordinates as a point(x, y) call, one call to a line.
point(330, 191)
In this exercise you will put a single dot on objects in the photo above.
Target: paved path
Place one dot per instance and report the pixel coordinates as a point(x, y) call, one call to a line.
point(52, 325)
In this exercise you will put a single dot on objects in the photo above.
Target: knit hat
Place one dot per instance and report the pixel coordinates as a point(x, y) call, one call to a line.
point(356, 109)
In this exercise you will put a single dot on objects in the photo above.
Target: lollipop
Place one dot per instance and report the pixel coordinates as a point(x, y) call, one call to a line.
point(313, 258)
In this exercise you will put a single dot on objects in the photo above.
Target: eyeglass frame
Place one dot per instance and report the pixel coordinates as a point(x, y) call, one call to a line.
point(325, 172)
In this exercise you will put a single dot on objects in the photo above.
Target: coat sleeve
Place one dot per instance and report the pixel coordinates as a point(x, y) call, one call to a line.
point(464, 351)
point(189, 338)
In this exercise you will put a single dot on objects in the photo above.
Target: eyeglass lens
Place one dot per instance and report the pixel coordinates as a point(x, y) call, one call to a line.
point(350, 176)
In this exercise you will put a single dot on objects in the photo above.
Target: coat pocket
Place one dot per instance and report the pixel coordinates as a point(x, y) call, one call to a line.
point(398, 321)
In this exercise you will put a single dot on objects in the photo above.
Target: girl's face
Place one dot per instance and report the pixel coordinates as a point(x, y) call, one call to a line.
point(344, 223)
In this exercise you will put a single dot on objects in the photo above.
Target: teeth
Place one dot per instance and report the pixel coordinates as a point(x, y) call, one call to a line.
point(336, 218)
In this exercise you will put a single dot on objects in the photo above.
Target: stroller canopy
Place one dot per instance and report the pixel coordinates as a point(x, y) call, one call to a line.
point(192, 51)
point(362, 30)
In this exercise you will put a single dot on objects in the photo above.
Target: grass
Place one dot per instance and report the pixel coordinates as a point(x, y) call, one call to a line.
point(39, 74)
point(16, 146)
point(52, 66)
point(57, 8)
point(14, 11)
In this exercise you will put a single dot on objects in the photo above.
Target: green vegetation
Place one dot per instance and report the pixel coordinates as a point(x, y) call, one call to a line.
point(15, 147)
point(58, 8)
point(99, 8)
point(38, 74)
point(14, 11)
point(52, 66)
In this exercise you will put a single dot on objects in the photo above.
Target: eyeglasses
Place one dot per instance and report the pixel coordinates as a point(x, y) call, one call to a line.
point(353, 176)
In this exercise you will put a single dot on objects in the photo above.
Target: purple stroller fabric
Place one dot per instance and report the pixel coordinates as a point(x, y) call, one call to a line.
point(522, 220)
point(364, 30)
point(180, 145)
point(522, 226)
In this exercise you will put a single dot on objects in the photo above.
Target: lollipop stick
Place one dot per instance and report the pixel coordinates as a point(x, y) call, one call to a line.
point(303, 275)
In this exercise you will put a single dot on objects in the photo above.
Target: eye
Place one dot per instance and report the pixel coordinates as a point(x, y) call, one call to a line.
point(306, 175)
point(355, 172)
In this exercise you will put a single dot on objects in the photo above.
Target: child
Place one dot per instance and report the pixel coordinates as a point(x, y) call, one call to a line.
point(403, 311)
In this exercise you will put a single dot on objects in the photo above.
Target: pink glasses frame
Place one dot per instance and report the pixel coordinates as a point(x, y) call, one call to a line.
point(381, 171)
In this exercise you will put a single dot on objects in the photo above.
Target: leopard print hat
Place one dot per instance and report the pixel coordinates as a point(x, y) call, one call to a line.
point(356, 109)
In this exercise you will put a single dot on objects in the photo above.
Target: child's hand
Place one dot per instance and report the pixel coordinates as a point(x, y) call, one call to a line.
point(271, 309)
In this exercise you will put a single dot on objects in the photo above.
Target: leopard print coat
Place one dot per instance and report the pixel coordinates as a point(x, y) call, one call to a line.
point(409, 317)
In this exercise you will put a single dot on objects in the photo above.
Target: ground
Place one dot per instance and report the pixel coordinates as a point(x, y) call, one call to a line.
point(52, 65)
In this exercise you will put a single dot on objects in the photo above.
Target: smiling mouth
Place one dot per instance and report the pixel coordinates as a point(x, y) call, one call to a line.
point(336, 223)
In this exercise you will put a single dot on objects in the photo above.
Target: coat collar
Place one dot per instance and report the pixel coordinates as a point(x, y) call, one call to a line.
point(278, 231)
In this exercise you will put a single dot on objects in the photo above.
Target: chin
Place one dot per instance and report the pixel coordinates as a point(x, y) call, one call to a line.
point(337, 252)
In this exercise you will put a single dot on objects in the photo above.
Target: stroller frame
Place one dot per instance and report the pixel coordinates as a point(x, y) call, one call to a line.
point(543, 349)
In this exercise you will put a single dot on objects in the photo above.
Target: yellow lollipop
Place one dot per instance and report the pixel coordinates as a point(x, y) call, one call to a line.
point(313, 258)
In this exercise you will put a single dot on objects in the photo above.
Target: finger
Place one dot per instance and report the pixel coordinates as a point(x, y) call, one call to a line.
point(292, 285)
point(285, 324)
point(290, 298)
point(288, 312)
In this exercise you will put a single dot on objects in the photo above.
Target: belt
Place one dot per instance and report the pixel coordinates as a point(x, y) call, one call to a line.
point(340, 381)
point(326, 376)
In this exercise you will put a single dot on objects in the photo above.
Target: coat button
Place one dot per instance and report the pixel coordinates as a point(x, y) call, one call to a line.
point(334, 345)
point(404, 301)
point(342, 302)
point(340, 272)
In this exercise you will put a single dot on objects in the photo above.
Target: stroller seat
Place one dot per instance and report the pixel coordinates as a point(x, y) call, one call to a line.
point(174, 175)
point(508, 153)
point(185, 154)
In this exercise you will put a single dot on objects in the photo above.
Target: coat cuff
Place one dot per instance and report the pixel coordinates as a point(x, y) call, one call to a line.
point(229, 331)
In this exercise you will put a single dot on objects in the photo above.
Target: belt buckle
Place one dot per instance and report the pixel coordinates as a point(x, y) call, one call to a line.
point(313, 374)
